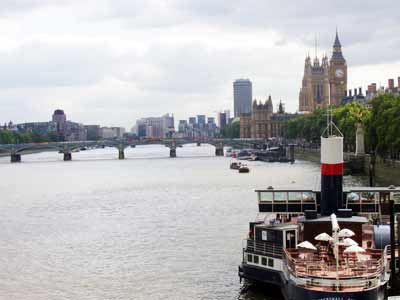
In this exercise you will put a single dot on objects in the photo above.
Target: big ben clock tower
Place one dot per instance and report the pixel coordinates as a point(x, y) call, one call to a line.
point(337, 73)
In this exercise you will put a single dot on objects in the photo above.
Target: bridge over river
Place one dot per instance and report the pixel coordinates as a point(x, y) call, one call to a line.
point(15, 151)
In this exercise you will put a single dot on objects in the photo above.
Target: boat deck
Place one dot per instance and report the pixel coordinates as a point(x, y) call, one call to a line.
point(323, 264)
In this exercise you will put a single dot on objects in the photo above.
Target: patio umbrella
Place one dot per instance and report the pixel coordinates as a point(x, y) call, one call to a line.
point(354, 249)
point(306, 245)
point(323, 237)
point(344, 233)
point(348, 242)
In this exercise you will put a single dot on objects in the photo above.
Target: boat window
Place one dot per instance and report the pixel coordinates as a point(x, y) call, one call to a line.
point(264, 235)
point(353, 197)
point(295, 196)
point(280, 196)
point(266, 196)
point(270, 262)
point(308, 196)
point(264, 261)
point(249, 258)
point(395, 196)
point(255, 259)
point(367, 196)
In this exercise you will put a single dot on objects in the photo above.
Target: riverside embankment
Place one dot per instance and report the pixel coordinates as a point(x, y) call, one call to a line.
point(387, 171)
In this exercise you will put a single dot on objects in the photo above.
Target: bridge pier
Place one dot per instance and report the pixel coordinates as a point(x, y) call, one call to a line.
point(15, 158)
point(121, 154)
point(67, 156)
point(219, 151)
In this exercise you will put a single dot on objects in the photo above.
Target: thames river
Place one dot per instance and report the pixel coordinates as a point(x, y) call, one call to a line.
point(146, 228)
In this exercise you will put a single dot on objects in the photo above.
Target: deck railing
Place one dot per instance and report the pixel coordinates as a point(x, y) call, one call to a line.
point(318, 274)
point(263, 248)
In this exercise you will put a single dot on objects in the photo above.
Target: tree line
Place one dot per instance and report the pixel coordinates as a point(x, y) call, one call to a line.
point(13, 137)
point(381, 123)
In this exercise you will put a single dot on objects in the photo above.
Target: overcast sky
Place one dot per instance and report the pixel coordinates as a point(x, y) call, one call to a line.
point(111, 62)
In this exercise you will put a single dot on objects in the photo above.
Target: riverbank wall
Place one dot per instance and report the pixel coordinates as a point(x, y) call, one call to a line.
point(387, 171)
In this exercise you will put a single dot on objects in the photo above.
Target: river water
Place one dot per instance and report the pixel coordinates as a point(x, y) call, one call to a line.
point(146, 228)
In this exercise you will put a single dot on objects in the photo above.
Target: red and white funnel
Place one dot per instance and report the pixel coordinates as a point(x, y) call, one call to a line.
point(331, 171)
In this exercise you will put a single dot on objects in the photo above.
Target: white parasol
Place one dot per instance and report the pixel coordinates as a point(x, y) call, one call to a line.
point(354, 249)
point(348, 242)
point(344, 233)
point(323, 237)
point(306, 245)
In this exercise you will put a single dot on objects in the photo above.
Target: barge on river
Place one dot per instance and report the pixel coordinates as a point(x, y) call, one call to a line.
point(328, 244)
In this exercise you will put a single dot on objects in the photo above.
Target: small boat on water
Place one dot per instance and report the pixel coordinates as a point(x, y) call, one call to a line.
point(228, 152)
point(244, 169)
point(235, 165)
point(253, 157)
point(244, 155)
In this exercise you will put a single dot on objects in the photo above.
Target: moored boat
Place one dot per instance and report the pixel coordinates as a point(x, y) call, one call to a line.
point(235, 165)
point(244, 169)
point(322, 244)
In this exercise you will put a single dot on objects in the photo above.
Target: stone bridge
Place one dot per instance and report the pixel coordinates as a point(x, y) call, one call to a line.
point(66, 148)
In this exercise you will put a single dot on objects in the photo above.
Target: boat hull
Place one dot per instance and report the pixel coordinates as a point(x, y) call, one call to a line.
point(292, 292)
point(261, 275)
point(299, 293)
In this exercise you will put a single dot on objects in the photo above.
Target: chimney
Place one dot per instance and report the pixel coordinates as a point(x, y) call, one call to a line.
point(331, 174)
point(349, 93)
point(360, 91)
point(355, 92)
point(391, 84)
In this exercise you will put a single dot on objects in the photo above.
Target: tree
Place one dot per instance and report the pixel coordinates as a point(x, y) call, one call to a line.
point(231, 131)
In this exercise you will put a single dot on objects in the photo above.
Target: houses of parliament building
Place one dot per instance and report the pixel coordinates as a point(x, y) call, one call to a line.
point(323, 78)
point(323, 81)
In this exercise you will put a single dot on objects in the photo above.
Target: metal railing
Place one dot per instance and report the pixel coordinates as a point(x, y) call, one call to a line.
point(363, 280)
point(263, 248)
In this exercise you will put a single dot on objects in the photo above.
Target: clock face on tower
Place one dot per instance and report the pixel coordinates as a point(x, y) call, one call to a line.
point(339, 73)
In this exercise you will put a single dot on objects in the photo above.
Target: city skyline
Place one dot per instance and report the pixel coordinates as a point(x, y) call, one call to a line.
point(113, 62)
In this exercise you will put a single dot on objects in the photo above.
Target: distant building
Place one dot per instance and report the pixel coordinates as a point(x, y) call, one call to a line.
point(93, 132)
point(182, 126)
point(60, 118)
point(192, 120)
point(41, 128)
point(107, 133)
point(75, 132)
point(320, 79)
point(262, 122)
point(118, 132)
point(242, 95)
point(222, 120)
point(357, 97)
point(371, 92)
point(201, 121)
point(156, 127)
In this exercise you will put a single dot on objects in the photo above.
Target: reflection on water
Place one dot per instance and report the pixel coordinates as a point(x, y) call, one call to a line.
point(148, 227)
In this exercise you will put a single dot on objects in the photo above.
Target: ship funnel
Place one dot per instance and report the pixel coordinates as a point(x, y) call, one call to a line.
point(331, 168)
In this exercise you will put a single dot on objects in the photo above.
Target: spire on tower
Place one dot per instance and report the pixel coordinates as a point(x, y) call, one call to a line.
point(337, 42)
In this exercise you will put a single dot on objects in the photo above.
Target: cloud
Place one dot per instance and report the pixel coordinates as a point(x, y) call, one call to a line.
point(138, 58)
point(43, 65)
point(9, 7)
